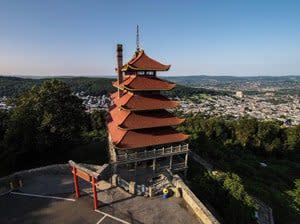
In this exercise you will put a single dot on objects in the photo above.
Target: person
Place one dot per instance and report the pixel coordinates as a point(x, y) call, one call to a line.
point(165, 193)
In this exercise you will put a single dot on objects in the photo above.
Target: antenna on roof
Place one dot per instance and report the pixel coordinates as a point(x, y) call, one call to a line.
point(137, 38)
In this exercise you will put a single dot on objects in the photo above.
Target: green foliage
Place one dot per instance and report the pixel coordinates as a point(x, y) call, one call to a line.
point(49, 125)
point(236, 147)
point(14, 86)
point(226, 193)
point(3, 123)
point(295, 194)
point(234, 185)
point(183, 91)
point(98, 120)
point(46, 117)
point(261, 137)
point(293, 140)
point(246, 129)
point(97, 128)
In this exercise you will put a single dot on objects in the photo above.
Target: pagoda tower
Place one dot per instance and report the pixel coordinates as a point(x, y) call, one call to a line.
point(140, 124)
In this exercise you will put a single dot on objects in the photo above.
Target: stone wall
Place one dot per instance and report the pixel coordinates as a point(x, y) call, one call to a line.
point(204, 215)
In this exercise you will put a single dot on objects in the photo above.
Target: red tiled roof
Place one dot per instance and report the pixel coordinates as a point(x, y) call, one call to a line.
point(143, 119)
point(132, 139)
point(130, 101)
point(143, 62)
point(144, 82)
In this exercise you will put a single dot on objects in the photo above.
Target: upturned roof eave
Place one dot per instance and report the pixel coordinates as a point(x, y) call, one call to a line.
point(127, 67)
point(140, 147)
point(181, 120)
point(145, 109)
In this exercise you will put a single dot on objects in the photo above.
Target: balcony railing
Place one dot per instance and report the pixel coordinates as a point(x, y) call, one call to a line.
point(152, 154)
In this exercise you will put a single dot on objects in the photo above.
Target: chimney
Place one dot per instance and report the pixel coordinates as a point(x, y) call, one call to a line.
point(119, 66)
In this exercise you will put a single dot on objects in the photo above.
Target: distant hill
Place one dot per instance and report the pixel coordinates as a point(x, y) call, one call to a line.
point(12, 86)
point(283, 85)
point(204, 78)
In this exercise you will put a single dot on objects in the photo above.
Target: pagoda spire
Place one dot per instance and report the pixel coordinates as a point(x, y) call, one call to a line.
point(137, 39)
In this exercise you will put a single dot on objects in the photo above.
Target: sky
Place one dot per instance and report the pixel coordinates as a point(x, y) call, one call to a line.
point(201, 37)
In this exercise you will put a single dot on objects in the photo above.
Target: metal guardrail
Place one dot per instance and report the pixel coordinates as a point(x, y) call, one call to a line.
point(123, 183)
point(141, 190)
point(155, 153)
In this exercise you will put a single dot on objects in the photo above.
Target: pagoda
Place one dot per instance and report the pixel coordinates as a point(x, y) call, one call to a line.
point(140, 122)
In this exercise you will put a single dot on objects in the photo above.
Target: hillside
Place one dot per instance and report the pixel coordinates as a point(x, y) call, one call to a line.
point(12, 86)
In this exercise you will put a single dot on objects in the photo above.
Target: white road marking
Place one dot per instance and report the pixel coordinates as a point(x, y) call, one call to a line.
point(101, 219)
point(43, 196)
point(113, 217)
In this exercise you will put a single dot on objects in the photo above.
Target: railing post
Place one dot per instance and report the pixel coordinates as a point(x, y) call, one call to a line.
point(163, 150)
point(95, 193)
point(76, 182)
point(171, 149)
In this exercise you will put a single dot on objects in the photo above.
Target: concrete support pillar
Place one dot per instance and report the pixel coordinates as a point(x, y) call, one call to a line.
point(135, 165)
point(171, 162)
point(132, 187)
point(115, 168)
point(154, 165)
point(186, 160)
point(185, 173)
point(114, 180)
point(177, 192)
point(151, 193)
point(186, 164)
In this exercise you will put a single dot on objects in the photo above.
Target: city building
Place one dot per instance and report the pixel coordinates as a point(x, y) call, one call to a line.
point(239, 94)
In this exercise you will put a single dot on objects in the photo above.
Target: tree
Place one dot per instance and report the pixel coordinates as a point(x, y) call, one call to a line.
point(98, 120)
point(3, 123)
point(246, 130)
point(295, 194)
point(47, 117)
point(269, 136)
point(293, 138)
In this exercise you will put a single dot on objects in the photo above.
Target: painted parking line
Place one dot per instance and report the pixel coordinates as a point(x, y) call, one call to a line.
point(43, 196)
point(113, 217)
point(101, 219)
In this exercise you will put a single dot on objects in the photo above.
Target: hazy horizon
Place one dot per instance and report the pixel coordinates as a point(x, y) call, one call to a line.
point(115, 75)
point(78, 38)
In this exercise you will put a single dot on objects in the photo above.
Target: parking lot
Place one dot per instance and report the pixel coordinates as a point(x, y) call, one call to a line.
point(20, 208)
point(49, 198)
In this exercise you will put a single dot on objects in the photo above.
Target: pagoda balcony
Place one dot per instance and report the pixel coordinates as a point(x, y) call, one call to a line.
point(151, 154)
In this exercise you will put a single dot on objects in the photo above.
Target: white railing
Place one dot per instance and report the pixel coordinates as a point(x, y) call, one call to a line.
point(148, 154)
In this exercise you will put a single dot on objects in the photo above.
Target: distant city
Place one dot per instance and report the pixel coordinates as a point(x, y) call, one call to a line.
point(264, 107)
point(265, 98)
